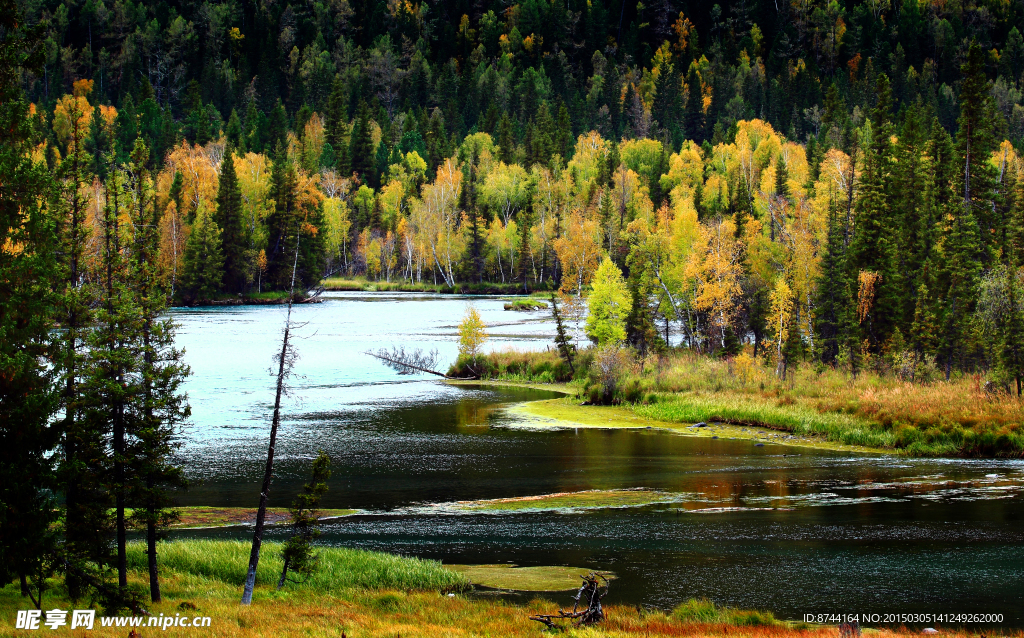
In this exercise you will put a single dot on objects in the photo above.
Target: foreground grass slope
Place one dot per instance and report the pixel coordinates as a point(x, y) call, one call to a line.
point(935, 418)
point(362, 594)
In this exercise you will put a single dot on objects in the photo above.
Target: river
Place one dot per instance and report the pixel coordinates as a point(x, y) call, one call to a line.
point(792, 530)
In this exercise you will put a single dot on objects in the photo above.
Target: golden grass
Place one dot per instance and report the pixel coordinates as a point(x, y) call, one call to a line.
point(958, 417)
point(362, 611)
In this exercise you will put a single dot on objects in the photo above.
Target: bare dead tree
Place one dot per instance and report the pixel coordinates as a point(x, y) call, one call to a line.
point(590, 594)
point(412, 361)
point(405, 361)
point(285, 361)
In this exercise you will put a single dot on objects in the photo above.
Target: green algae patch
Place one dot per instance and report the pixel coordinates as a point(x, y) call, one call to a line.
point(545, 578)
point(202, 516)
point(566, 412)
point(589, 499)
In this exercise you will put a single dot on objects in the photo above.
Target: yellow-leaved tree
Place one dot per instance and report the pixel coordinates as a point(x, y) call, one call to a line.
point(779, 319)
point(578, 250)
point(609, 305)
point(472, 334)
point(716, 266)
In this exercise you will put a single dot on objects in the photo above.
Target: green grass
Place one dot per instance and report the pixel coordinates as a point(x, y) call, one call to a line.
point(705, 611)
point(691, 408)
point(526, 305)
point(589, 499)
point(339, 569)
point(267, 296)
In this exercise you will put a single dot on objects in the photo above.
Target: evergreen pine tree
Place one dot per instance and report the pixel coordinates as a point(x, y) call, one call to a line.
point(312, 252)
point(506, 143)
point(1015, 225)
point(834, 319)
point(1010, 356)
point(793, 349)
point(29, 278)
point(475, 247)
point(282, 224)
point(913, 222)
point(202, 268)
point(957, 285)
point(696, 121)
point(924, 329)
point(277, 127)
point(160, 406)
point(298, 555)
point(233, 132)
point(563, 139)
point(874, 247)
point(337, 115)
point(229, 219)
point(525, 257)
point(562, 339)
point(362, 156)
point(82, 451)
point(110, 385)
point(975, 142)
point(254, 126)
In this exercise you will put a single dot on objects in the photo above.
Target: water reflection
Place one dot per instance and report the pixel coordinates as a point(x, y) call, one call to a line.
point(794, 530)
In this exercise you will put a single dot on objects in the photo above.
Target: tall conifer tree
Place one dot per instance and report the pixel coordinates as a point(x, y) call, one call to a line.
point(229, 219)
point(202, 269)
point(874, 246)
point(28, 279)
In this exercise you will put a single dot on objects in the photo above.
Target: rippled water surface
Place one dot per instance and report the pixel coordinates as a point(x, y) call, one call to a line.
point(792, 530)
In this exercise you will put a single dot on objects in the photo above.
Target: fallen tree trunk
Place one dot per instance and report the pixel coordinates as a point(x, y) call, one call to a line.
point(591, 591)
point(409, 362)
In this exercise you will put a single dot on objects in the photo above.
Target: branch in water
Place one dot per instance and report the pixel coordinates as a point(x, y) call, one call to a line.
point(408, 362)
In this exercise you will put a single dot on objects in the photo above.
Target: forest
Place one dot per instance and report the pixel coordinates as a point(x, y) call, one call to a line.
point(835, 182)
point(836, 179)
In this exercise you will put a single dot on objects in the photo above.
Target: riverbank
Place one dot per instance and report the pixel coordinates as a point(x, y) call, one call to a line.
point(255, 299)
point(361, 284)
point(570, 412)
point(567, 412)
point(359, 594)
point(739, 398)
point(202, 517)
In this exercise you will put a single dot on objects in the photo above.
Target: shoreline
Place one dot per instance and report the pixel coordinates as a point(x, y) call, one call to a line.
point(566, 412)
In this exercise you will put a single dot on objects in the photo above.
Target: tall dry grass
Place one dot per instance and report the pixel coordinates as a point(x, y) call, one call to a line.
point(958, 417)
point(362, 610)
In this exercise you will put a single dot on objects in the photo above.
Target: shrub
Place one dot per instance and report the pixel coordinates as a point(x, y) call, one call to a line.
point(705, 611)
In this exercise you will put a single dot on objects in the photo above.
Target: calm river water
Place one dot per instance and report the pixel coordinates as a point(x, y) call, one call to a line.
point(792, 530)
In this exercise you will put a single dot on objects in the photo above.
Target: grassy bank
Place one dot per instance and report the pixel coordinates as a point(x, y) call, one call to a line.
point(197, 516)
point(940, 418)
point(372, 595)
point(590, 499)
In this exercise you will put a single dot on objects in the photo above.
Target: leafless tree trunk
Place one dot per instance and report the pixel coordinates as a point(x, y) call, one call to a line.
point(283, 367)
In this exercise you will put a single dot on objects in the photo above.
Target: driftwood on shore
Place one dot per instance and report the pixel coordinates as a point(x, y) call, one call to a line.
point(412, 361)
point(590, 594)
